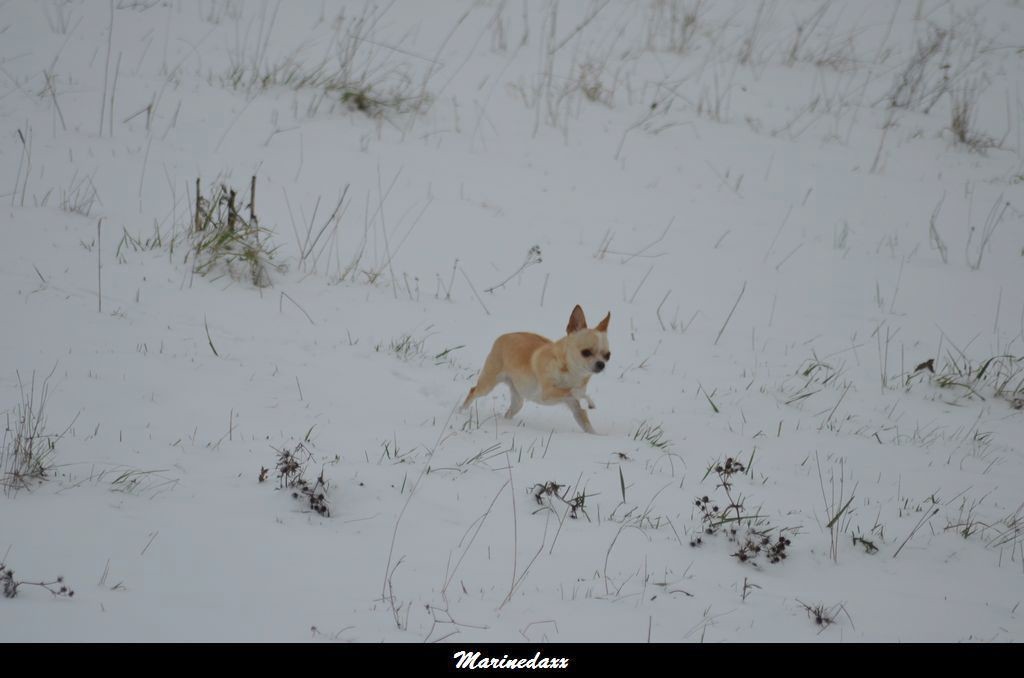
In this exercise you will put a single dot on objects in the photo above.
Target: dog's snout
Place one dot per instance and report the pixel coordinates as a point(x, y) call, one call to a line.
point(599, 365)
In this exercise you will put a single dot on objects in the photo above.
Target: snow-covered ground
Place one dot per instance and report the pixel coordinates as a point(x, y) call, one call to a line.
point(771, 198)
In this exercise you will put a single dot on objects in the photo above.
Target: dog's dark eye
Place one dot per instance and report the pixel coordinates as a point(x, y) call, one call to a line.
point(608, 355)
point(586, 353)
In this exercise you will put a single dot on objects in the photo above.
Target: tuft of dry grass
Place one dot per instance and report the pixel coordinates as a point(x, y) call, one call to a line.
point(962, 118)
point(27, 448)
point(358, 73)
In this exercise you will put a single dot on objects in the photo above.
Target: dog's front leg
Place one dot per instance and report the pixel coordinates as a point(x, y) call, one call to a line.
point(580, 394)
point(580, 415)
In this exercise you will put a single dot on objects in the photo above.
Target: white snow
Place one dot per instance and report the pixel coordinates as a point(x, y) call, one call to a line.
point(741, 196)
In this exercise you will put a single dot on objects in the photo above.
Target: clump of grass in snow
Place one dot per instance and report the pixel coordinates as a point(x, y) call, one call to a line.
point(869, 545)
point(27, 448)
point(291, 470)
point(825, 616)
point(1000, 376)
point(653, 434)
point(137, 481)
point(394, 92)
point(962, 122)
point(408, 348)
point(80, 195)
point(914, 83)
point(222, 240)
point(404, 348)
point(811, 377)
point(672, 25)
point(360, 73)
point(837, 504)
point(944, 58)
point(140, 243)
point(591, 83)
point(996, 533)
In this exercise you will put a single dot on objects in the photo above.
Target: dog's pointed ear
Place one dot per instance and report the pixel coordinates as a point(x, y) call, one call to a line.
point(603, 325)
point(577, 321)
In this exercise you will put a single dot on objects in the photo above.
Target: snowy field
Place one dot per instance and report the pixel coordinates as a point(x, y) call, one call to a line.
point(241, 423)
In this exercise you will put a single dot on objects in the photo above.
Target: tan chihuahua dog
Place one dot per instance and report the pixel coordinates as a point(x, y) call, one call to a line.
point(544, 371)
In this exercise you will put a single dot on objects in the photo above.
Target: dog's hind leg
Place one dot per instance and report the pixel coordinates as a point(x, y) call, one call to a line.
point(489, 377)
point(517, 400)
